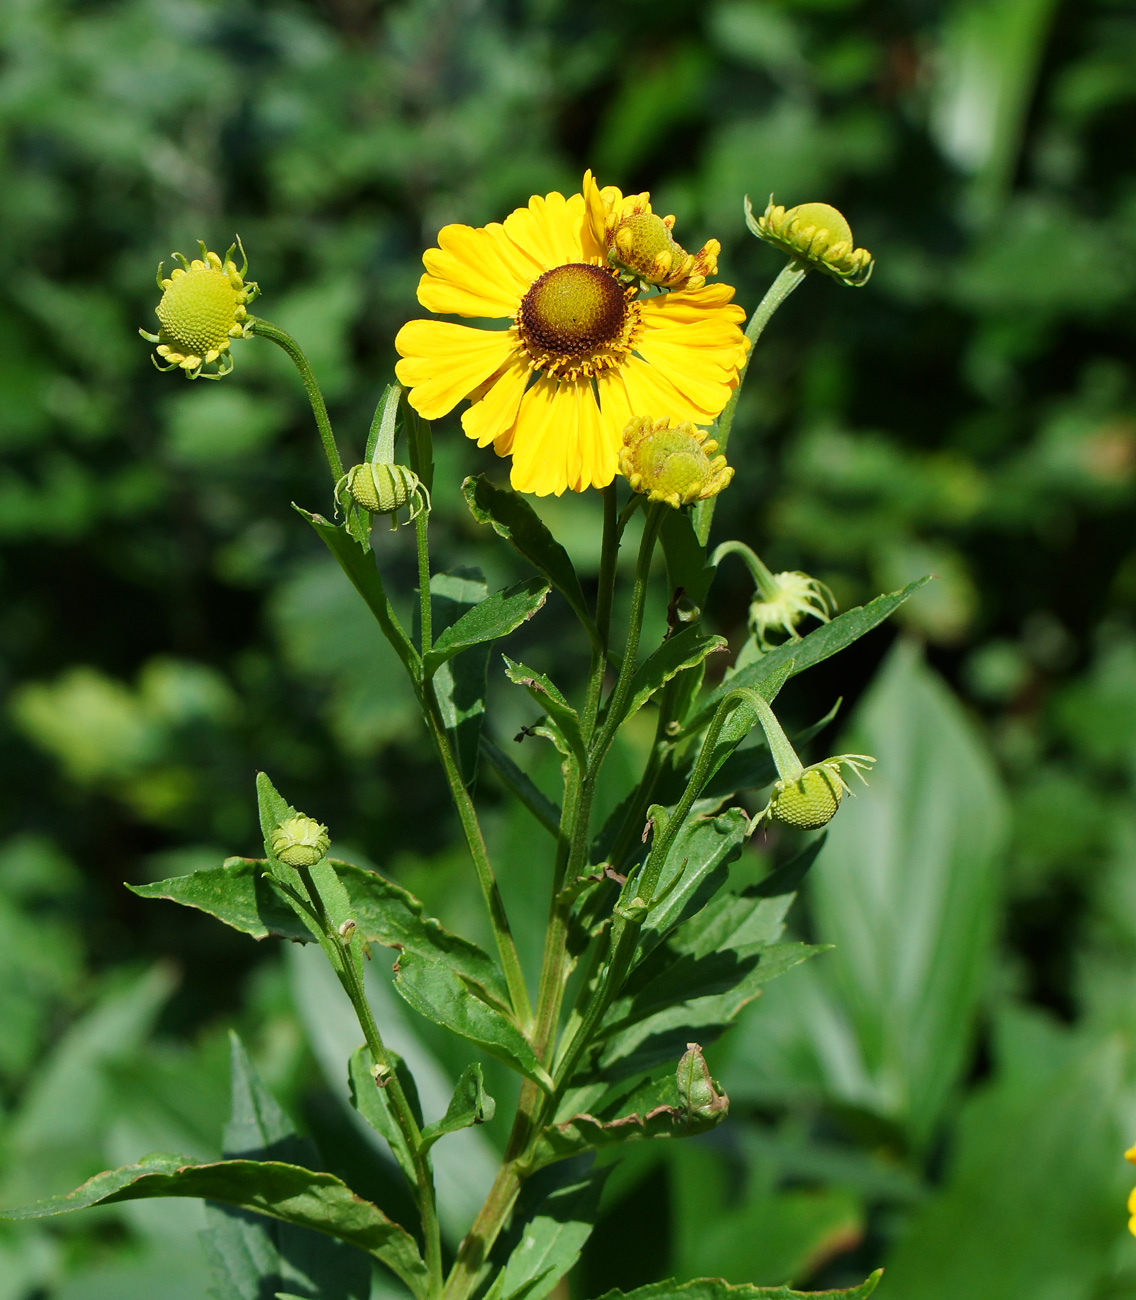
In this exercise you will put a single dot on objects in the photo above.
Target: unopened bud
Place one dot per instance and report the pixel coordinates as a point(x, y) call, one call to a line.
point(697, 1091)
point(671, 463)
point(347, 931)
point(300, 841)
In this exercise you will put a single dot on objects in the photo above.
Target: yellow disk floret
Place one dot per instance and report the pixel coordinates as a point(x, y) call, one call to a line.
point(816, 234)
point(671, 462)
point(203, 308)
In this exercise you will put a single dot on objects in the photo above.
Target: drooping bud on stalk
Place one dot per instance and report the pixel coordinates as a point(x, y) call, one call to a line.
point(816, 234)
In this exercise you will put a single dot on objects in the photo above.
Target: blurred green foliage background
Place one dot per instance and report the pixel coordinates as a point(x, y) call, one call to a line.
point(949, 1092)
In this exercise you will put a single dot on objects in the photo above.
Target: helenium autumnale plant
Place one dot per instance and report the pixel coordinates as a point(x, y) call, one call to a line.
point(618, 370)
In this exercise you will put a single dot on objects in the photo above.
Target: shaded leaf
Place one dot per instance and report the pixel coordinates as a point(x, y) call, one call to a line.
point(460, 1004)
point(494, 617)
point(460, 683)
point(371, 1102)
point(470, 1105)
point(553, 1219)
point(511, 517)
point(535, 800)
point(281, 1191)
point(687, 565)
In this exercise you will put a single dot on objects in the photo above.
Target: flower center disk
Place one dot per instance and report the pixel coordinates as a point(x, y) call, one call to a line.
point(573, 310)
point(198, 309)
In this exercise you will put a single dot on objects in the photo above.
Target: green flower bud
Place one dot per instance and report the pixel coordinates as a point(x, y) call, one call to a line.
point(816, 234)
point(671, 462)
point(383, 489)
point(810, 800)
point(300, 841)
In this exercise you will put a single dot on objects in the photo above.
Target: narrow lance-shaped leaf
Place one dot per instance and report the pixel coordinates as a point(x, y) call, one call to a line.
point(460, 682)
point(683, 650)
point(370, 1100)
point(812, 649)
point(469, 1105)
point(494, 617)
point(547, 695)
point(511, 517)
point(281, 1191)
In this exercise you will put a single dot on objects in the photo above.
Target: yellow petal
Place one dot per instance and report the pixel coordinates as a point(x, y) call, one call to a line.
point(598, 451)
point(475, 271)
point(1130, 1155)
point(538, 441)
point(689, 306)
point(705, 377)
point(553, 230)
point(652, 393)
point(596, 208)
point(442, 363)
point(615, 408)
point(491, 417)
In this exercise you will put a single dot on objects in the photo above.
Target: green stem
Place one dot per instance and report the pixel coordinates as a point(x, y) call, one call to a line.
point(319, 408)
point(609, 553)
point(791, 276)
point(471, 827)
point(426, 626)
point(350, 977)
point(762, 576)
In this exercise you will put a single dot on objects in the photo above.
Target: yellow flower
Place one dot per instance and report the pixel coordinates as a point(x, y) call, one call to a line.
point(671, 462)
point(581, 355)
point(638, 240)
point(202, 309)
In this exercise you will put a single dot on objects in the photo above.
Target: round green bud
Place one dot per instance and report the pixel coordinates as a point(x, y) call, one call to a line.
point(809, 802)
point(300, 841)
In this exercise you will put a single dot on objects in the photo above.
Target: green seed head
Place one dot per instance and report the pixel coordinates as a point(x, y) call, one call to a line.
point(808, 803)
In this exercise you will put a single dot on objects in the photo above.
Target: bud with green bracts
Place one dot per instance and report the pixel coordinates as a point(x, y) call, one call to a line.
point(300, 841)
point(383, 490)
point(698, 1093)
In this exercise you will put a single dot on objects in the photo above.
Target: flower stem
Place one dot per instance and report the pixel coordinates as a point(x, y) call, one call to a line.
point(319, 407)
point(350, 977)
point(778, 291)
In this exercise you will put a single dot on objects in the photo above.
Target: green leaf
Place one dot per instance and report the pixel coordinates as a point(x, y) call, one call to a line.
point(1034, 1159)
point(559, 711)
point(713, 1288)
point(359, 566)
point(470, 1105)
point(695, 869)
point(909, 894)
point(281, 1191)
point(491, 619)
point(683, 650)
point(384, 913)
point(812, 649)
point(521, 784)
point(370, 1100)
point(461, 1005)
point(511, 517)
point(460, 683)
point(553, 1219)
point(252, 1255)
point(687, 565)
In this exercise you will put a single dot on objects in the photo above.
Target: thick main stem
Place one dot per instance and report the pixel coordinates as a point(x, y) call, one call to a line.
point(284, 340)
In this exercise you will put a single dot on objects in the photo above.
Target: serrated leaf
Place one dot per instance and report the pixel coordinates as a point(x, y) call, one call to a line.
point(273, 1188)
point(813, 649)
point(553, 1219)
point(713, 1288)
point(494, 617)
point(469, 1105)
point(548, 696)
point(461, 1005)
point(384, 913)
point(683, 650)
point(371, 1102)
point(250, 1253)
point(512, 518)
point(699, 858)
